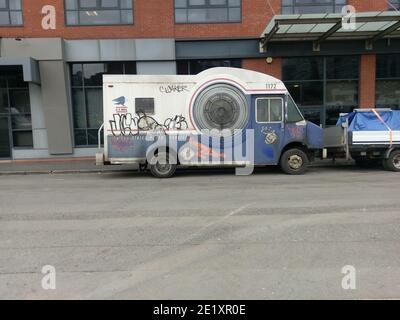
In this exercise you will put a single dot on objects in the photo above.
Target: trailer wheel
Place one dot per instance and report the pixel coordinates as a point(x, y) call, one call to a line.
point(294, 161)
point(161, 167)
point(393, 162)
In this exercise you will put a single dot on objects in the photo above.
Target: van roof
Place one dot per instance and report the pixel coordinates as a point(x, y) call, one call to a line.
point(244, 74)
point(252, 80)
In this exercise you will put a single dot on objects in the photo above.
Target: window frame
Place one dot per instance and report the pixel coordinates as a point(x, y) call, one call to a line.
point(10, 115)
point(324, 107)
point(393, 5)
point(9, 10)
point(207, 6)
point(390, 78)
point(99, 8)
point(288, 99)
point(313, 3)
point(269, 109)
point(187, 64)
point(84, 87)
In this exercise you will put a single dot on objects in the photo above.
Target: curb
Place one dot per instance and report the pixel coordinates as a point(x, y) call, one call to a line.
point(50, 160)
point(38, 172)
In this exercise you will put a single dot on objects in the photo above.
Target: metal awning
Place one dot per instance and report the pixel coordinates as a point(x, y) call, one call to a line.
point(29, 65)
point(369, 26)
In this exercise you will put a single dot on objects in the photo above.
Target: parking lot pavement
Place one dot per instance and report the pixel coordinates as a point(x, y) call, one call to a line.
point(205, 234)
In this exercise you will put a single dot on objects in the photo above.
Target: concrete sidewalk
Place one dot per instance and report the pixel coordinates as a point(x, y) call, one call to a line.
point(87, 165)
point(65, 165)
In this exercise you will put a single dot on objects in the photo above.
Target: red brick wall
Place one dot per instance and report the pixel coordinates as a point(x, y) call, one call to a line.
point(255, 16)
point(274, 69)
point(367, 81)
point(152, 18)
point(369, 5)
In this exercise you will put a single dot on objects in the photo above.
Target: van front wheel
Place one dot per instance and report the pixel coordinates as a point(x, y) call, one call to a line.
point(294, 161)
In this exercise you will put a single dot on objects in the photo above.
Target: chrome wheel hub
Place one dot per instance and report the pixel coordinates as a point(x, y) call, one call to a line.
point(295, 162)
point(396, 161)
point(163, 167)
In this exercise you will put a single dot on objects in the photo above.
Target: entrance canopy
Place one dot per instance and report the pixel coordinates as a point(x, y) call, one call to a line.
point(30, 67)
point(369, 26)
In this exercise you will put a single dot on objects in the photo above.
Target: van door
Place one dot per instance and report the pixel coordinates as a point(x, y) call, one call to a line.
point(268, 124)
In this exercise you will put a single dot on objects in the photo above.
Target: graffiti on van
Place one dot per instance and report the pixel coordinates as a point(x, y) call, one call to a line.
point(127, 124)
point(176, 123)
point(270, 136)
point(173, 88)
point(121, 143)
point(295, 132)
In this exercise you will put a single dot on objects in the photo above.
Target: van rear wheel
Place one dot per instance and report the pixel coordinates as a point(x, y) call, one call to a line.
point(294, 161)
point(160, 166)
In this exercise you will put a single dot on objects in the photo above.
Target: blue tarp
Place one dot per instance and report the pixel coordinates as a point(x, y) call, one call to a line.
point(342, 119)
point(368, 121)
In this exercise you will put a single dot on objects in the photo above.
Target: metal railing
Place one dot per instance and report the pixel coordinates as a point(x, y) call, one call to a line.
point(99, 135)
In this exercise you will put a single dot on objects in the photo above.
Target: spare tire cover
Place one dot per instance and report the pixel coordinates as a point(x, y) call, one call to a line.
point(221, 106)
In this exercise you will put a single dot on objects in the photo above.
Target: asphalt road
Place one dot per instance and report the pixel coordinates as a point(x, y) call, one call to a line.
point(201, 235)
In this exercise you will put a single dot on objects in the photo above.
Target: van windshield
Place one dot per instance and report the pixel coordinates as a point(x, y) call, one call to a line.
point(293, 113)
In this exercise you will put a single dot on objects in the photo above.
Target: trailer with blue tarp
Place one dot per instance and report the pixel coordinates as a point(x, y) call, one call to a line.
point(369, 136)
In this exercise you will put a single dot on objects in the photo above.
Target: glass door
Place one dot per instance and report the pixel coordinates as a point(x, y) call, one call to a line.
point(5, 146)
point(15, 111)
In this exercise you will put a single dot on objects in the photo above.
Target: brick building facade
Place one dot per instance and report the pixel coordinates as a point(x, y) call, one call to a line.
point(51, 65)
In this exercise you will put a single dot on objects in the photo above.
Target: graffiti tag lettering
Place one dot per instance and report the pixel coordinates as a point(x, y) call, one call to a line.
point(121, 143)
point(173, 88)
point(127, 124)
point(270, 135)
point(176, 123)
point(295, 132)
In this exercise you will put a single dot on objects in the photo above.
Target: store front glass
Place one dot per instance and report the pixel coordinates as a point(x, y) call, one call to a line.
point(87, 97)
point(388, 81)
point(323, 87)
point(15, 111)
point(197, 66)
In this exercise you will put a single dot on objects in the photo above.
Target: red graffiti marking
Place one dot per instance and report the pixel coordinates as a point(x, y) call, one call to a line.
point(295, 132)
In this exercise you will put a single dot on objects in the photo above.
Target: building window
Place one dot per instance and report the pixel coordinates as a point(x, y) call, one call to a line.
point(197, 66)
point(98, 12)
point(87, 97)
point(394, 5)
point(312, 6)
point(11, 13)
point(323, 87)
point(388, 81)
point(15, 106)
point(207, 11)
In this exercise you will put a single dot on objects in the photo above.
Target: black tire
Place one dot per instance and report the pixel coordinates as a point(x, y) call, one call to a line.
point(162, 170)
point(294, 162)
point(393, 162)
